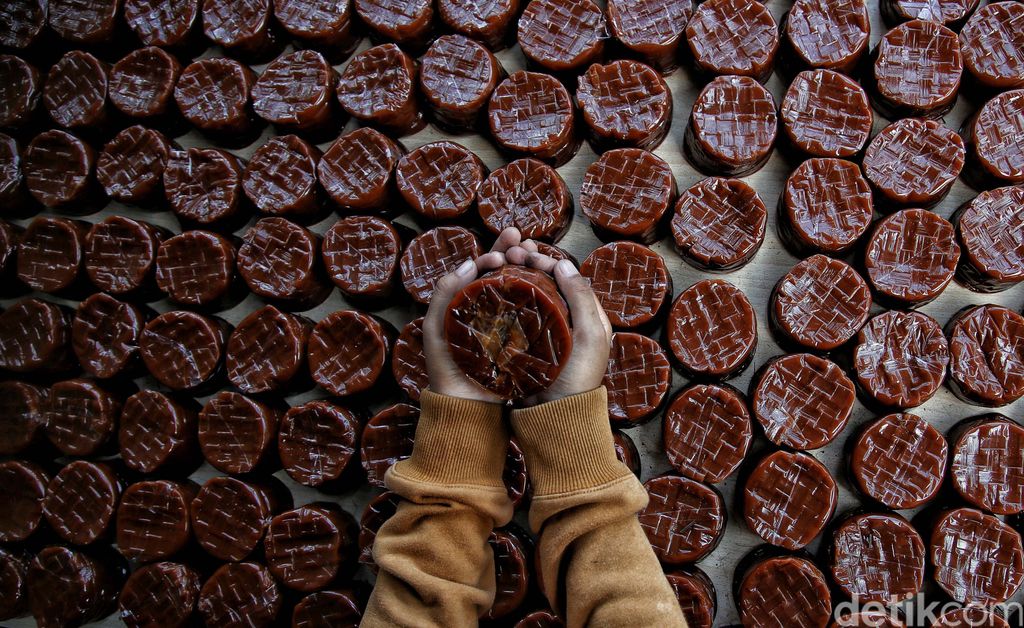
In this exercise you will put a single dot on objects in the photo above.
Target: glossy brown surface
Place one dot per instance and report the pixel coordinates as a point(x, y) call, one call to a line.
point(916, 70)
point(153, 519)
point(719, 224)
point(81, 501)
point(266, 350)
point(23, 489)
point(161, 22)
point(131, 166)
point(309, 547)
point(75, 94)
point(626, 451)
point(828, 34)
point(22, 407)
point(540, 619)
point(348, 351)
point(81, 417)
point(877, 558)
point(214, 95)
point(296, 91)
point(432, 255)
point(826, 114)
point(684, 520)
point(802, 401)
point(707, 431)
point(901, 358)
point(22, 22)
point(229, 516)
point(531, 115)
point(317, 442)
point(457, 76)
point(509, 331)
point(911, 257)
point(515, 477)
point(987, 464)
point(988, 229)
point(785, 591)
point(624, 104)
point(735, 37)
point(105, 336)
point(976, 557)
point(361, 255)
point(488, 21)
point(826, 207)
point(407, 22)
point(712, 329)
point(626, 193)
point(994, 157)
point(35, 335)
point(820, 303)
point(195, 267)
point(321, 23)
point(528, 195)
point(9, 236)
point(440, 180)
point(13, 191)
point(279, 260)
point(651, 29)
point(50, 253)
point(163, 594)
point(67, 587)
point(378, 87)
point(58, 169)
point(242, 595)
point(120, 254)
point(204, 185)
point(155, 431)
point(408, 363)
point(280, 177)
point(992, 43)
point(637, 380)
point(562, 35)
point(387, 439)
point(328, 609)
point(732, 127)
point(913, 162)
point(378, 510)
point(243, 27)
point(696, 595)
point(83, 22)
point(630, 280)
point(947, 12)
point(788, 498)
point(511, 572)
point(357, 170)
point(898, 461)
point(13, 597)
point(183, 350)
point(20, 88)
point(236, 433)
point(142, 83)
point(986, 348)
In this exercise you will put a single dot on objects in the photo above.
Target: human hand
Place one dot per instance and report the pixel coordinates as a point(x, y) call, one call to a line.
point(591, 331)
point(443, 375)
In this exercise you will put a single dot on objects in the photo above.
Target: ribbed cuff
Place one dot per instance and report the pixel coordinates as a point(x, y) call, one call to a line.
point(568, 443)
point(458, 441)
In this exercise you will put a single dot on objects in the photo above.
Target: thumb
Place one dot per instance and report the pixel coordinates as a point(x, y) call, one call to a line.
point(444, 291)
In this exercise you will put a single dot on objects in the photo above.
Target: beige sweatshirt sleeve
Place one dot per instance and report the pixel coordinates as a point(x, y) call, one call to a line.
point(597, 566)
point(436, 567)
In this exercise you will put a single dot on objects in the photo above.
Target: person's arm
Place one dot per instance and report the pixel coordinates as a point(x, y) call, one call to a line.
point(596, 564)
point(436, 567)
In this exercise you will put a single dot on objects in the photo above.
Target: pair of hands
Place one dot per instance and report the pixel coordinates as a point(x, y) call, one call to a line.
point(591, 336)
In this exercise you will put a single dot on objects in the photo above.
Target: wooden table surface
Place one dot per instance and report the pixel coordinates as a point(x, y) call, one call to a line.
point(756, 280)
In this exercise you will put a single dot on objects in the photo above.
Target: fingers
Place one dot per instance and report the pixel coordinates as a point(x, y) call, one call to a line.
point(507, 239)
point(444, 291)
point(490, 261)
point(529, 245)
point(588, 317)
point(524, 257)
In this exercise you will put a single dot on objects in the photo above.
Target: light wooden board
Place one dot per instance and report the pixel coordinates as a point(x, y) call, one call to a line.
point(755, 279)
